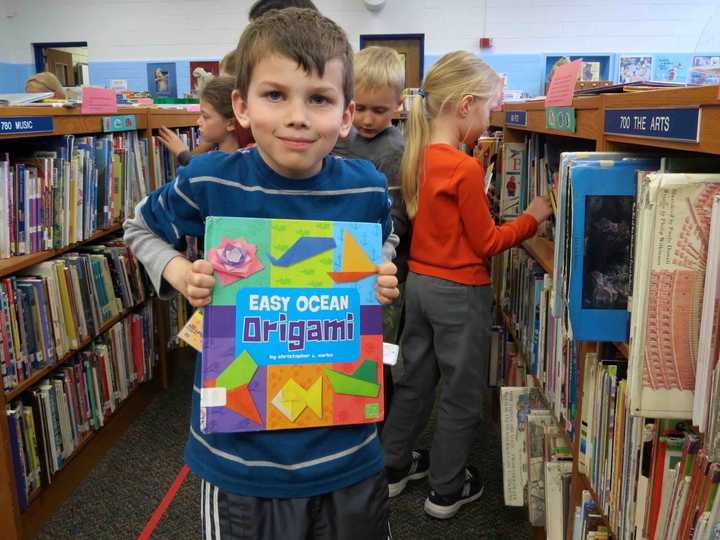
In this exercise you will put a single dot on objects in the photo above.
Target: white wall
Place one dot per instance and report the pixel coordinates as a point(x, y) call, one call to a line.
point(185, 29)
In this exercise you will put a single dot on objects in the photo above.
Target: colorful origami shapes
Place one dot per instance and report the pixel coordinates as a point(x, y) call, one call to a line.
point(240, 372)
point(292, 399)
point(355, 264)
point(363, 382)
point(303, 249)
point(233, 260)
point(240, 401)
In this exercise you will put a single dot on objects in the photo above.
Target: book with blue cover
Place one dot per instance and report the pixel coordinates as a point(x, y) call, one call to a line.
point(602, 198)
point(293, 335)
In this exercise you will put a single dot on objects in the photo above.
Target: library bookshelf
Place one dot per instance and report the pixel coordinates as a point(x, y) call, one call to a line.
point(45, 500)
point(590, 117)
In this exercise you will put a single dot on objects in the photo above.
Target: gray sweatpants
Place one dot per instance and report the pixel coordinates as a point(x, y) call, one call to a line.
point(446, 338)
point(357, 512)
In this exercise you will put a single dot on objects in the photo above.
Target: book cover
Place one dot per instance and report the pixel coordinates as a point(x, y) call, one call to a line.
point(671, 67)
point(635, 68)
point(602, 198)
point(515, 406)
point(293, 336)
point(162, 79)
point(675, 211)
point(511, 181)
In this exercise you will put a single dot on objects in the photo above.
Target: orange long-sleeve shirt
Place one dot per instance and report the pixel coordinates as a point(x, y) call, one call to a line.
point(453, 231)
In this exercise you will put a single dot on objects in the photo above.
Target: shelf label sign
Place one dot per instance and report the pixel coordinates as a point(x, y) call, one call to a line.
point(560, 119)
point(121, 122)
point(25, 124)
point(516, 118)
point(680, 124)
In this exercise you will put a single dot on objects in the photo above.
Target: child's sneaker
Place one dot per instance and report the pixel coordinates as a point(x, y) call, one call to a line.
point(446, 506)
point(398, 479)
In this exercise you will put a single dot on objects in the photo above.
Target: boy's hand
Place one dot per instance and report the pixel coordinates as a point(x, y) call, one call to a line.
point(540, 209)
point(199, 283)
point(193, 280)
point(170, 139)
point(386, 288)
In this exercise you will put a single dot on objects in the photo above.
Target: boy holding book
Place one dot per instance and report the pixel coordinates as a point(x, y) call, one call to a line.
point(294, 91)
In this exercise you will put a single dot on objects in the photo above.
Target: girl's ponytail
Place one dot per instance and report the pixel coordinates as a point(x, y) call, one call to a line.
point(417, 137)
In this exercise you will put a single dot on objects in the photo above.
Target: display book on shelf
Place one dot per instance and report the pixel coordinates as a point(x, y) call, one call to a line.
point(77, 322)
point(644, 470)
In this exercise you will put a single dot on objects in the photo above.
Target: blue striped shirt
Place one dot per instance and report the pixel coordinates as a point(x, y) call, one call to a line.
point(274, 464)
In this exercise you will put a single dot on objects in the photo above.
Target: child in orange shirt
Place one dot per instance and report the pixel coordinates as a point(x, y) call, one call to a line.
point(448, 293)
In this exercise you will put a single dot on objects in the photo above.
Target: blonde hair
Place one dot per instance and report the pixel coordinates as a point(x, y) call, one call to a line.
point(453, 76)
point(45, 82)
point(376, 67)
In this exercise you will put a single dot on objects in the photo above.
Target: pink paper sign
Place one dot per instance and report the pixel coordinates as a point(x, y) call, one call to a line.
point(562, 85)
point(98, 100)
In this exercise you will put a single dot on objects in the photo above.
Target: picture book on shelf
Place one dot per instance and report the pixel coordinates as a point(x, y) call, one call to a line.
point(602, 198)
point(293, 335)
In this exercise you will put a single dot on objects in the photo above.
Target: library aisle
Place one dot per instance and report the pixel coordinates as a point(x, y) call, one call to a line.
point(119, 496)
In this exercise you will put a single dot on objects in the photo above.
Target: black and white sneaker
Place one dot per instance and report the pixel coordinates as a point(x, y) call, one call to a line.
point(398, 479)
point(446, 506)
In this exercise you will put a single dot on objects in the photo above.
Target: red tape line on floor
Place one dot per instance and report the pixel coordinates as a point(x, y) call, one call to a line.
point(164, 504)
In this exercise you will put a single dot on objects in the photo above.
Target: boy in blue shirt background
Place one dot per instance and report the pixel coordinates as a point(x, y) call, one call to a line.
point(294, 91)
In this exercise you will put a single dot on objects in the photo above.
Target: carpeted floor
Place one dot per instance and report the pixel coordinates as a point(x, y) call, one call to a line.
point(117, 499)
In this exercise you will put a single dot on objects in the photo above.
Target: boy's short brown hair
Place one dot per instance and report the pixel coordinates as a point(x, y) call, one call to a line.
point(376, 67)
point(261, 7)
point(302, 35)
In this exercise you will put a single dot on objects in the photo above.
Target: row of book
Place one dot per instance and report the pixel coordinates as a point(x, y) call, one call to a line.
point(653, 477)
point(632, 264)
point(51, 308)
point(68, 188)
point(51, 420)
point(166, 165)
point(637, 258)
point(542, 346)
point(537, 462)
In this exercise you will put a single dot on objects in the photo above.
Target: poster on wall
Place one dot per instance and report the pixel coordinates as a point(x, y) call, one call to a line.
point(671, 67)
point(200, 70)
point(635, 68)
point(705, 70)
point(162, 79)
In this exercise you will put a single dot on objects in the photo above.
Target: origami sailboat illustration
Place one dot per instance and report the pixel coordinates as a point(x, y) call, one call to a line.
point(356, 264)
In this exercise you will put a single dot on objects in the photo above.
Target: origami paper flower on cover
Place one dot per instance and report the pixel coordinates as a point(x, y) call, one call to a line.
point(234, 259)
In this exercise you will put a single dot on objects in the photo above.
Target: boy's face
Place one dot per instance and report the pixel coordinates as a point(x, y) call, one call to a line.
point(295, 117)
point(374, 110)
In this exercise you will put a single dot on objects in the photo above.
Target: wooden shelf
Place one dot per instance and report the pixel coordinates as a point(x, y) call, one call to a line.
point(16, 264)
point(69, 121)
point(542, 250)
point(42, 373)
point(84, 458)
point(46, 501)
point(705, 97)
point(590, 124)
point(172, 118)
point(588, 118)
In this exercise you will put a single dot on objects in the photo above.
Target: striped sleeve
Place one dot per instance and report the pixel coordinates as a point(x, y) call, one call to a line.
point(172, 212)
